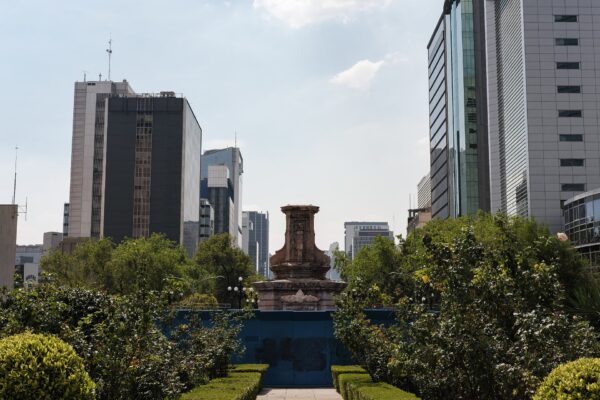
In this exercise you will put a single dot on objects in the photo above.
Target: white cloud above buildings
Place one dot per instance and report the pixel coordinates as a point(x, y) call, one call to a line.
point(300, 13)
point(358, 76)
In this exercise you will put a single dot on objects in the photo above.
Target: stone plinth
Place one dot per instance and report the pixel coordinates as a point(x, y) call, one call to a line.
point(299, 268)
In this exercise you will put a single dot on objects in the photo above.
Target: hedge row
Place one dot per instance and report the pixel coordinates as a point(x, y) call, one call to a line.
point(237, 386)
point(359, 386)
point(337, 370)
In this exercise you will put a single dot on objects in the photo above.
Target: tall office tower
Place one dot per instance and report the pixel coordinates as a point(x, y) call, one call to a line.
point(458, 111)
point(424, 192)
point(87, 152)
point(66, 220)
point(8, 243)
point(544, 127)
point(332, 274)
point(418, 217)
point(217, 188)
point(52, 241)
point(207, 220)
point(151, 169)
point(255, 229)
point(230, 157)
point(361, 234)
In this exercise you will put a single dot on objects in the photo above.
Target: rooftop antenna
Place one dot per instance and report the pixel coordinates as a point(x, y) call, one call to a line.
point(15, 181)
point(109, 51)
point(235, 140)
point(100, 76)
point(84, 76)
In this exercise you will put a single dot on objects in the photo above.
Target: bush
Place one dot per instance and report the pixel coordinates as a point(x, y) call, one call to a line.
point(345, 380)
point(199, 301)
point(576, 380)
point(42, 367)
point(337, 370)
point(262, 368)
point(237, 386)
point(361, 387)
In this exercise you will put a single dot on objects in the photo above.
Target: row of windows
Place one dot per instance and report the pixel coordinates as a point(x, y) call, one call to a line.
point(573, 187)
point(574, 137)
point(566, 41)
point(570, 113)
point(569, 89)
point(567, 65)
point(565, 18)
point(572, 162)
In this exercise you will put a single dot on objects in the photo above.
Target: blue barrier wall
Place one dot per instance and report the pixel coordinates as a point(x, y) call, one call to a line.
point(299, 346)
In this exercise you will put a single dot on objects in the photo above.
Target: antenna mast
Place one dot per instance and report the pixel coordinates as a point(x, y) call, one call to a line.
point(15, 181)
point(109, 51)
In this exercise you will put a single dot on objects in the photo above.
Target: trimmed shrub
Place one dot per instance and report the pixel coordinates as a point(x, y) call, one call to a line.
point(237, 386)
point(337, 370)
point(199, 301)
point(347, 380)
point(576, 380)
point(42, 367)
point(361, 387)
point(262, 368)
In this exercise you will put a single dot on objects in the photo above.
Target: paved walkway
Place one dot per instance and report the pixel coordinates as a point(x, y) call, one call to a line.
point(299, 394)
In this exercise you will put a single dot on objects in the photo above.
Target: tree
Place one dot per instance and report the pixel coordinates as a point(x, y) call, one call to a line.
point(153, 263)
point(217, 260)
point(481, 311)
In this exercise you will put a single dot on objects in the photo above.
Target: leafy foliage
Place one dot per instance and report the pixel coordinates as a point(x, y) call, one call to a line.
point(576, 380)
point(217, 258)
point(41, 367)
point(481, 309)
point(153, 263)
point(125, 352)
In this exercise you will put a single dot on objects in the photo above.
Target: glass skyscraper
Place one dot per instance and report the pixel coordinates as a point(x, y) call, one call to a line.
point(458, 117)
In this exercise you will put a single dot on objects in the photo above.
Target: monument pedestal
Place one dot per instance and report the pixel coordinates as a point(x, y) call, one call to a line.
point(299, 269)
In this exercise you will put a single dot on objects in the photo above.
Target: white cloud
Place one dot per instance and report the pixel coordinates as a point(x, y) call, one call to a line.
point(358, 76)
point(423, 146)
point(298, 13)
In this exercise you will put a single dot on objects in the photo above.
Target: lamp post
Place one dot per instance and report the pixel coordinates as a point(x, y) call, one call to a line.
point(241, 291)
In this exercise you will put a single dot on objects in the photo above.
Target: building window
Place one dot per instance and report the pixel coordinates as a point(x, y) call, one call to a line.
point(567, 41)
point(571, 138)
point(569, 89)
point(567, 65)
point(573, 187)
point(565, 18)
point(572, 162)
point(570, 113)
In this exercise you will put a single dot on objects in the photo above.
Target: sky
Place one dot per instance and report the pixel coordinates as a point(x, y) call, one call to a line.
point(328, 98)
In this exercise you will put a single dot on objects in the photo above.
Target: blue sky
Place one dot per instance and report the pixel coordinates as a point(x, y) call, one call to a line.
point(328, 97)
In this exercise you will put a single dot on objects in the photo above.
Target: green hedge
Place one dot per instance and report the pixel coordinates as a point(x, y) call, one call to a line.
point(262, 368)
point(337, 370)
point(243, 383)
point(361, 387)
point(576, 380)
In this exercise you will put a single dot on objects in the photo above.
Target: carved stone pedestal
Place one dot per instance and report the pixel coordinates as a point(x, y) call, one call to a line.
point(299, 269)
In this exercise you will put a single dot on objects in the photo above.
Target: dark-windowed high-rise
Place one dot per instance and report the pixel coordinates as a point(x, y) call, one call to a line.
point(255, 228)
point(152, 169)
point(87, 154)
point(221, 175)
point(458, 115)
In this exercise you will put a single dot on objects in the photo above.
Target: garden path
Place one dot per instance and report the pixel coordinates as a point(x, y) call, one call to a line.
point(299, 394)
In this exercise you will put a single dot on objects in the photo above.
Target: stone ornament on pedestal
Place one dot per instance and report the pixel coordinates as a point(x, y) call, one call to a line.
point(299, 268)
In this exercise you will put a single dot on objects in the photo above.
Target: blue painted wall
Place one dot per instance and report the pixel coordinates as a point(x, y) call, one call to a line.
point(299, 346)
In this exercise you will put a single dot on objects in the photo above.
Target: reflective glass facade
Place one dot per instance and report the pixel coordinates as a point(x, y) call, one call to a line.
point(582, 224)
point(457, 105)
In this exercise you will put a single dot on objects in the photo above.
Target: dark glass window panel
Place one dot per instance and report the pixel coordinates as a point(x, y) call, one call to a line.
point(573, 187)
point(567, 41)
point(572, 162)
point(567, 65)
point(565, 18)
point(571, 138)
point(569, 89)
point(569, 113)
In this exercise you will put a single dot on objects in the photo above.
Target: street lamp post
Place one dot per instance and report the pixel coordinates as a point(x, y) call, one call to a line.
point(240, 292)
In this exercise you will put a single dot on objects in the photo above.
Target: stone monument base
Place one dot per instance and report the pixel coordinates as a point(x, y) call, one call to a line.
point(298, 294)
